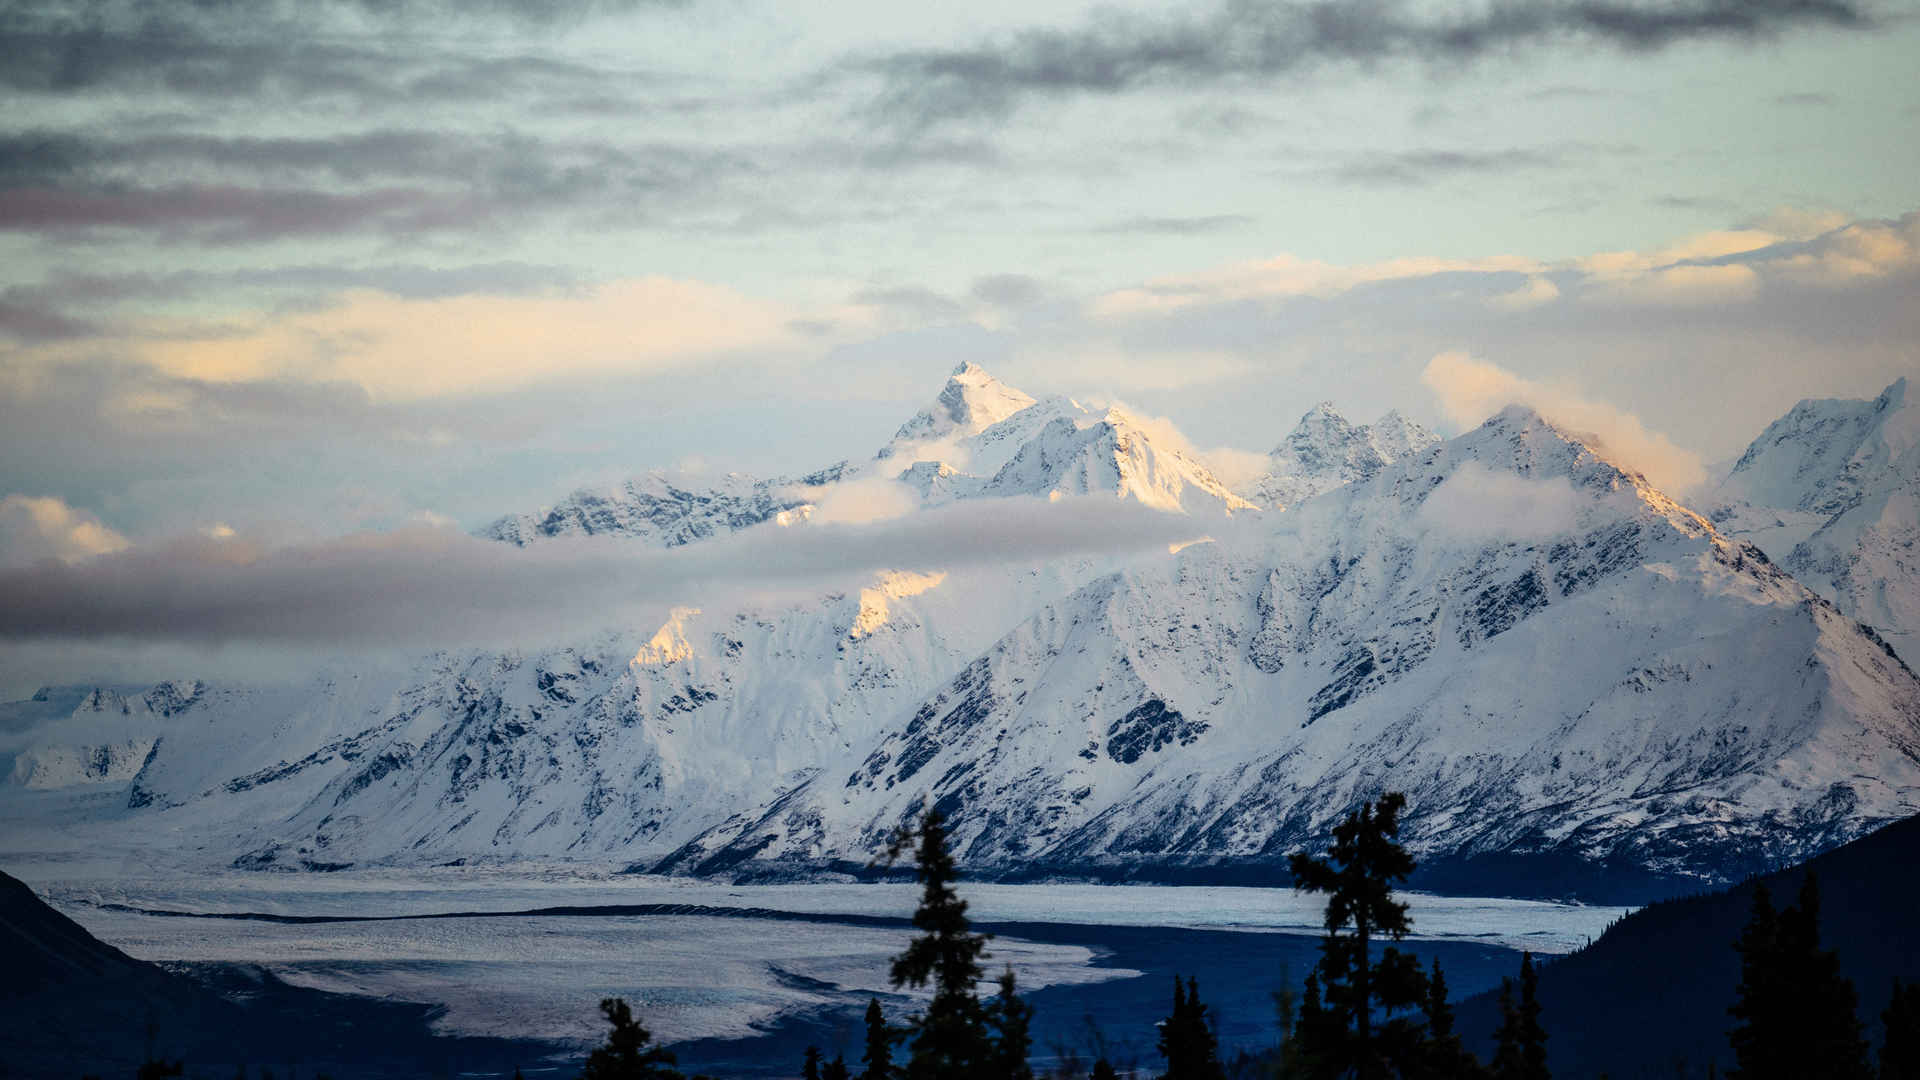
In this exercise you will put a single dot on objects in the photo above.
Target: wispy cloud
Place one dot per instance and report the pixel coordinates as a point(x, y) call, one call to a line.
point(1244, 38)
point(1418, 168)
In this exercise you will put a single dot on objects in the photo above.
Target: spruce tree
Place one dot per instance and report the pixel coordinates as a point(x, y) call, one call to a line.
point(1798, 1015)
point(810, 1064)
point(1103, 1070)
point(1506, 1038)
point(1757, 1000)
point(1445, 1056)
point(878, 1056)
point(626, 1055)
point(1358, 875)
point(1533, 1038)
point(950, 1038)
point(1900, 1053)
point(1173, 1030)
point(1187, 1040)
point(1520, 1051)
point(836, 1069)
point(1010, 1017)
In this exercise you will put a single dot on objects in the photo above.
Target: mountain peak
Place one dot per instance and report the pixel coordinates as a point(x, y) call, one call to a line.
point(971, 402)
point(1326, 450)
point(1825, 455)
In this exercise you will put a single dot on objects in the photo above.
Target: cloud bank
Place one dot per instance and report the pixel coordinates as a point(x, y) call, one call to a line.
point(428, 587)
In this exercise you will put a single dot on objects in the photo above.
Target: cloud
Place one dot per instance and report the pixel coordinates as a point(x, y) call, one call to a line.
point(399, 347)
point(1536, 291)
point(1418, 168)
point(1008, 291)
point(1174, 226)
point(1242, 39)
point(1286, 276)
point(1683, 285)
point(1797, 223)
point(433, 587)
point(372, 54)
point(860, 501)
point(225, 214)
point(1477, 503)
point(1236, 468)
point(37, 528)
point(1470, 390)
point(1859, 251)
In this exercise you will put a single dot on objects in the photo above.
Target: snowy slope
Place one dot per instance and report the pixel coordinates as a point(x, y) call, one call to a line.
point(1326, 450)
point(1831, 491)
point(1600, 675)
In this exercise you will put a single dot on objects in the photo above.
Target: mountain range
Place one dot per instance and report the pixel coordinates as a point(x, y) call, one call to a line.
point(1559, 663)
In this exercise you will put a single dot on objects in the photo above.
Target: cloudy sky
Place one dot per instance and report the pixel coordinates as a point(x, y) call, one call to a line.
point(310, 269)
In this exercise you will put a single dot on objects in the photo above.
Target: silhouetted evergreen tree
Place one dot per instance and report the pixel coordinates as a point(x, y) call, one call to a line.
point(1797, 1015)
point(1187, 1040)
point(810, 1065)
point(1522, 1042)
point(1305, 1051)
point(626, 1056)
point(1009, 1017)
point(1445, 1056)
point(1900, 1053)
point(1358, 875)
point(950, 1039)
point(836, 1069)
point(156, 1069)
point(1103, 1070)
point(878, 1056)
point(1759, 1000)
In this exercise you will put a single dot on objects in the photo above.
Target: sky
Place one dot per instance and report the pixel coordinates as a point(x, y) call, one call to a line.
point(302, 271)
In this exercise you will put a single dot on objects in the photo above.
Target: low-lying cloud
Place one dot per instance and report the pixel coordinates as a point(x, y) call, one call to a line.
point(1477, 503)
point(426, 587)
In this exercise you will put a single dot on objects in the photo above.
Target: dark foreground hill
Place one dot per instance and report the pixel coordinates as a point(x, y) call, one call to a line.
point(72, 1005)
point(1650, 997)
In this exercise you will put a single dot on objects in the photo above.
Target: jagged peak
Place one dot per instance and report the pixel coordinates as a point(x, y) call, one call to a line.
point(1893, 397)
point(971, 401)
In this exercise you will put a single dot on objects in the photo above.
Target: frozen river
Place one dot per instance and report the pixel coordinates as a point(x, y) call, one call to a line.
point(736, 974)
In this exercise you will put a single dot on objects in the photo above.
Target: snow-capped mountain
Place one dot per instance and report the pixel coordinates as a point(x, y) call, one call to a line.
point(1831, 491)
point(1549, 655)
point(980, 438)
point(1326, 450)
